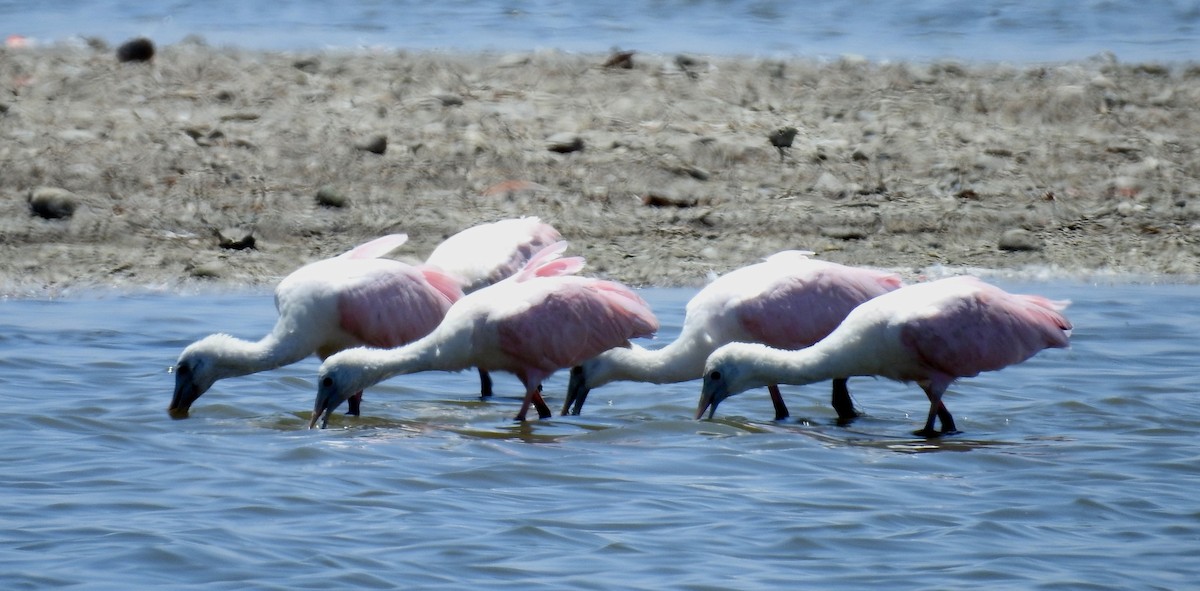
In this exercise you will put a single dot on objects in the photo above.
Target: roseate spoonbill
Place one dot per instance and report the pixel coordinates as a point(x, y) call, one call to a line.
point(482, 255)
point(531, 324)
point(352, 299)
point(930, 333)
point(788, 301)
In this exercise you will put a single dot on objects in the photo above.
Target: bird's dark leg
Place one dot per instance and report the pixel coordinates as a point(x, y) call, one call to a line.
point(947, 419)
point(540, 404)
point(354, 403)
point(781, 409)
point(937, 410)
point(841, 401)
point(485, 383)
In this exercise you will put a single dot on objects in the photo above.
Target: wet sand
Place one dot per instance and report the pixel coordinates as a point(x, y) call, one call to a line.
point(223, 167)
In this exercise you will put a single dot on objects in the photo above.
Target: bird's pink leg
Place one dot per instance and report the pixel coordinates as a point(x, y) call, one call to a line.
point(534, 396)
point(354, 403)
point(781, 409)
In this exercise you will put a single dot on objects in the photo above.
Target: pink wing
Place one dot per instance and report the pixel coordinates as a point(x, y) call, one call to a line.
point(574, 323)
point(442, 281)
point(549, 262)
point(802, 310)
point(540, 236)
point(375, 248)
point(389, 309)
point(985, 331)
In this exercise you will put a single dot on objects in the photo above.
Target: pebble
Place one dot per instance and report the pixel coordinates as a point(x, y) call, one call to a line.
point(1019, 239)
point(245, 242)
point(207, 270)
point(782, 138)
point(330, 197)
point(376, 144)
point(564, 142)
point(140, 49)
point(52, 203)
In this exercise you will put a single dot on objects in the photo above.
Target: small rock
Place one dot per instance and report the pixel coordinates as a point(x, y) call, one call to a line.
point(330, 197)
point(140, 49)
point(1018, 239)
point(52, 203)
point(782, 138)
point(621, 59)
point(844, 233)
point(659, 200)
point(448, 99)
point(246, 242)
point(564, 142)
point(513, 60)
point(207, 270)
point(827, 183)
point(375, 144)
point(308, 65)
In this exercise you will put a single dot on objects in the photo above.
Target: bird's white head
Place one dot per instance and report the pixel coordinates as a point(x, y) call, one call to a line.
point(725, 374)
point(198, 368)
point(337, 380)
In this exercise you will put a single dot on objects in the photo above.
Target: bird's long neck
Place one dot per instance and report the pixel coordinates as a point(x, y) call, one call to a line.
point(431, 353)
point(822, 361)
point(240, 357)
point(679, 361)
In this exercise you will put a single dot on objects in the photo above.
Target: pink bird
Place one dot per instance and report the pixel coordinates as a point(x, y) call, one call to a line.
point(930, 333)
point(482, 255)
point(353, 299)
point(788, 301)
point(538, 321)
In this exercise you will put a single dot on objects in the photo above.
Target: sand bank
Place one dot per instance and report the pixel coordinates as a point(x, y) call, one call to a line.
point(659, 169)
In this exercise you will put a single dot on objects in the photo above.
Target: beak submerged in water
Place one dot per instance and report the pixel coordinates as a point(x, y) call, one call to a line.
point(186, 392)
point(577, 391)
point(327, 401)
point(712, 393)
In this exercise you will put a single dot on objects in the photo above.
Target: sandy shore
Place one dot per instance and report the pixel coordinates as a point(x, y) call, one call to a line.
point(658, 173)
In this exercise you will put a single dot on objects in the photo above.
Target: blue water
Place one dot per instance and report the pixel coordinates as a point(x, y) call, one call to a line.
point(1075, 470)
point(989, 30)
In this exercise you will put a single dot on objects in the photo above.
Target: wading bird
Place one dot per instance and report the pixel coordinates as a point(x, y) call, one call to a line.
point(482, 255)
point(349, 300)
point(788, 301)
point(538, 321)
point(930, 333)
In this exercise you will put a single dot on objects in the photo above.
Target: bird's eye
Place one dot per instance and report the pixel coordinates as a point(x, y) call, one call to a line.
point(577, 370)
point(183, 369)
point(327, 382)
point(715, 375)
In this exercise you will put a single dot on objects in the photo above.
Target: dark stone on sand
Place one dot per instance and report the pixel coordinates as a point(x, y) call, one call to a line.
point(782, 138)
point(375, 144)
point(308, 65)
point(659, 200)
point(246, 242)
point(330, 197)
point(1019, 240)
point(844, 233)
point(140, 49)
point(622, 60)
point(564, 143)
point(52, 203)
